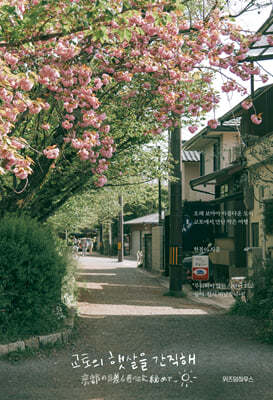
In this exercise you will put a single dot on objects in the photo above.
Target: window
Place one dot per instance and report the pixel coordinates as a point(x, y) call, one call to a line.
point(255, 234)
point(202, 164)
point(268, 216)
point(224, 190)
point(261, 196)
point(216, 157)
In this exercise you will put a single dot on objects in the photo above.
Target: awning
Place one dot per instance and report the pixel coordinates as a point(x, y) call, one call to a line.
point(214, 175)
point(190, 156)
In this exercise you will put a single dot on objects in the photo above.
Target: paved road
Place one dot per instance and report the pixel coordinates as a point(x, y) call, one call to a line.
point(136, 344)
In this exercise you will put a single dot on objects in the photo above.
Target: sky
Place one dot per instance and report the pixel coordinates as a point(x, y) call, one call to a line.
point(250, 21)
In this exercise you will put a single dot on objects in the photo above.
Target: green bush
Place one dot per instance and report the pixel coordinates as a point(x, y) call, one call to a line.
point(69, 284)
point(260, 305)
point(32, 269)
point(262, 299)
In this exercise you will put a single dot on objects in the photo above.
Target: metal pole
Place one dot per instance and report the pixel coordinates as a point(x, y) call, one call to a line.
point(101, 240)
point(159, 193)
point(159, 202)
point(252, 88)
point(110, 238)
point(176, 224)
point(120, 230)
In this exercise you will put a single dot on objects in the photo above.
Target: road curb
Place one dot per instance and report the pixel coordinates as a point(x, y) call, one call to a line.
point(164, 281)
point(35, 342)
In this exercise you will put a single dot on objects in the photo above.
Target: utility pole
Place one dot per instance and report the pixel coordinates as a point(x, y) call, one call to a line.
point(176, 223)
point(159, 203)
point(101, 239)
point(120, 230)
point(159, 193)
point(110, 238)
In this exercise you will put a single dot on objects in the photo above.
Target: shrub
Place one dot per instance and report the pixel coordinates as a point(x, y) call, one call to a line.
point(69, 284)
point(260, 305)
point(32, 268)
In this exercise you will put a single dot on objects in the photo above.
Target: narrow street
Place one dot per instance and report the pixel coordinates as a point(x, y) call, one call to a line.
point(134, 343)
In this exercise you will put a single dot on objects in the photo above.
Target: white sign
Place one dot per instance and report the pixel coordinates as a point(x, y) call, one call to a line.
point(200, 261)
point(200, 268)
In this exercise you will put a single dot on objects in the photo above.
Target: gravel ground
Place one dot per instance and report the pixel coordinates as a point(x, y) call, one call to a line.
point(124, 315)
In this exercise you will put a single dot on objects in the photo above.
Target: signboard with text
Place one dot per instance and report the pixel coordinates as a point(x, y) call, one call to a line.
point(200, 268)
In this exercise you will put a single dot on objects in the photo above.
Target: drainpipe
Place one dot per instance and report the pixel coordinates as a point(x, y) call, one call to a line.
point(264, 234)
point(120, 230)
point(252, 89)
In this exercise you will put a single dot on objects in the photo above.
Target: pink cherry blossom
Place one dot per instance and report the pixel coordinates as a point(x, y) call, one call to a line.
point(10, 59)
point(256, 119)
point(45, 126)
point(193, 129)
point(247, 104)
point(67, 125)
point(77, 143)
point(51, 152)
point(20, 172)
point(26, 84)
point(17, 143)
point(158, 60)
point(101, 181)
point(84, 154)
point(34, 108)
point(212, 123)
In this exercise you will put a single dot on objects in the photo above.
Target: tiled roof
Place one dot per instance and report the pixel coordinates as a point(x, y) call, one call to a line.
point(261, 49)
point(190, 155)
point(238, 110)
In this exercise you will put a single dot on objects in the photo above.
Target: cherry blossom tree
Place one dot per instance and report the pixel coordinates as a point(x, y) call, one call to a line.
point(69, 67)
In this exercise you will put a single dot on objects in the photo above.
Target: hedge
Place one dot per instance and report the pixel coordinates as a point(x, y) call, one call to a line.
point(31, 270)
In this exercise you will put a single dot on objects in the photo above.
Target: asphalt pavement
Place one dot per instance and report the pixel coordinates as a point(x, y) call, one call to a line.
point(134, 343)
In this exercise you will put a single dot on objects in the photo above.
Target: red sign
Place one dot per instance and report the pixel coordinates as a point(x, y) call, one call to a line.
point(200, 268)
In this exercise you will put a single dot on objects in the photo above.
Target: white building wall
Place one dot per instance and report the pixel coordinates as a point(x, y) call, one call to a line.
point(157, 248)
point(191, 170)
point(228, 141)
point(135, 247)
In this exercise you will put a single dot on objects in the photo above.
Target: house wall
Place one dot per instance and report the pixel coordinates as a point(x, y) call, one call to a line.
point(257, 212)
point(210, 187)
point(191, 170)
point(208, 151)
point(157, 248)
point(260, 175)
point(228, 140)
point(135, 243)
point(136, 236)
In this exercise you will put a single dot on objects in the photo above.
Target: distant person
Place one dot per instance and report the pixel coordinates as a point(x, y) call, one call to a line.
point(84, 246)
point(91, 246)
point(94, 244)
point(75, 245)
